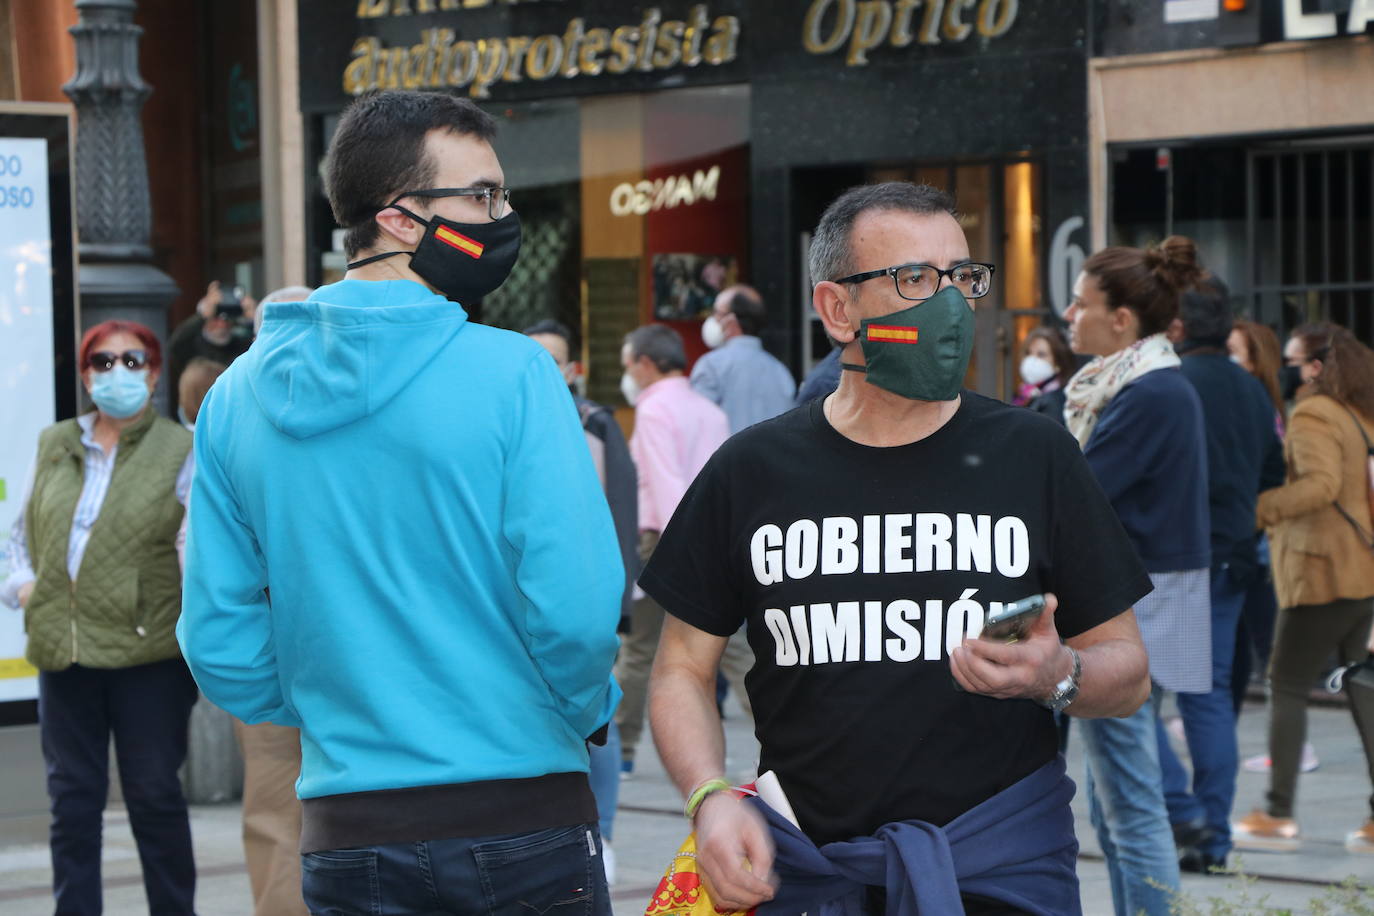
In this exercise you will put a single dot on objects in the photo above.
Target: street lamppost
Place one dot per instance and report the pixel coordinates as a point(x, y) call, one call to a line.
point(117, 278)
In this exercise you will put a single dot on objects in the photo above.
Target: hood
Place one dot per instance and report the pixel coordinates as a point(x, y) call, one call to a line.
point(345, 352)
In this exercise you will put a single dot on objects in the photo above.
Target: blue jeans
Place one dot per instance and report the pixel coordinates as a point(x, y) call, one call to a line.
point(1126, 804)
point(147, 708)
point(554, 872)
point(604, 776)
point(1209, 722)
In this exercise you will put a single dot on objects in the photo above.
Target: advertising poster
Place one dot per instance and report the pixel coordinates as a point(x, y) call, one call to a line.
point(27, 397)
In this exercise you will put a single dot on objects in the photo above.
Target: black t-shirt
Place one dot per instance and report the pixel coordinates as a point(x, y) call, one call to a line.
point(856, 569)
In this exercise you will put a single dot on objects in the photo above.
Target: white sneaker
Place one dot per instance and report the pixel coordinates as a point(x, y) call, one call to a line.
point(1261, 763)
point(608, 862)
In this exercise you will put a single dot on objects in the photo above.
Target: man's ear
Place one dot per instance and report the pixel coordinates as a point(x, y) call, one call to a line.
point(832, 303)
point(400, 227)
point(1174, 332)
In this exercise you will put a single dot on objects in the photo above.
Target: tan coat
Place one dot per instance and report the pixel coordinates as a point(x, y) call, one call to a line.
point(1318, 557)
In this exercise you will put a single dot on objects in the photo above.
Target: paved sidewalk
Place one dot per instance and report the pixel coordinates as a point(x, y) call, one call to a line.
point(650, 827)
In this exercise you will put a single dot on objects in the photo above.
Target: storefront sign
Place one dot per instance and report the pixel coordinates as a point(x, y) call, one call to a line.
point(862, 25)
point(1300, 25)
point(644, 197)
point(373, 9)
point(440, 61)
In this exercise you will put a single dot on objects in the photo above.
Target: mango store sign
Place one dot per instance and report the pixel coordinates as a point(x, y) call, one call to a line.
point(644, 197)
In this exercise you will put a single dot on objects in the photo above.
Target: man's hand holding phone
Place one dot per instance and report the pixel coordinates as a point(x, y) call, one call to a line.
point(1028, 668)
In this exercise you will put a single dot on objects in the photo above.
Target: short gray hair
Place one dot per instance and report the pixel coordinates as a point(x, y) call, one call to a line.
point(285, 294)
point(660, 343)
point(830, 256)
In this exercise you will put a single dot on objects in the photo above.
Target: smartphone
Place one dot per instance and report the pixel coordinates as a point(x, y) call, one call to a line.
point(1014, 621)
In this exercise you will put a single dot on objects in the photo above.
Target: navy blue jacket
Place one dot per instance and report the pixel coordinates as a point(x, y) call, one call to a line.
point(1017, 847)
point(1149, 453)
point(1244, 454)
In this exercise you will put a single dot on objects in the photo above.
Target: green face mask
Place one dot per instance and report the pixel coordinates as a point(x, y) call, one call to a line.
point(921, 352)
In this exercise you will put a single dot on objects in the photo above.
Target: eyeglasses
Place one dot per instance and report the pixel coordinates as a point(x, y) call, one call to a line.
point(104, 360)
point(498, 199)
point(920, 281)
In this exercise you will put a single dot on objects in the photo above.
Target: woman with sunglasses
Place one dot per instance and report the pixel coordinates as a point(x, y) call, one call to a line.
point(95, 566)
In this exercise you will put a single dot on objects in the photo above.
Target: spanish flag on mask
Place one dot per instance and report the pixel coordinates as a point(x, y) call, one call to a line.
point(470, 247)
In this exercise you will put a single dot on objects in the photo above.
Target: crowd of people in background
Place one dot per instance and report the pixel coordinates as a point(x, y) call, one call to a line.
point(1244, 482)
point(1221, 487)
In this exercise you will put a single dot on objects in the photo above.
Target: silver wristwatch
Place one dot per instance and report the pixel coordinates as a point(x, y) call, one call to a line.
point(1066, 691)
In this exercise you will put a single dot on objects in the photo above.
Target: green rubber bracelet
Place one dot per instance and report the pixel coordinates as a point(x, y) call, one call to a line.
point(700, 793)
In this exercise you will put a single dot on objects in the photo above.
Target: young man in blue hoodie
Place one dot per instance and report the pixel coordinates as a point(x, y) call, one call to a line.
point(377, 555)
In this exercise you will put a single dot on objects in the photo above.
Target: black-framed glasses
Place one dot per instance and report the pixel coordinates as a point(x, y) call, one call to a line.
point(105, 360)
point(921, 281)
point(497, 198)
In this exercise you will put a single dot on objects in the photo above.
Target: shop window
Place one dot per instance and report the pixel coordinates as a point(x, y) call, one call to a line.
point(635, 209)
point(1311, 241)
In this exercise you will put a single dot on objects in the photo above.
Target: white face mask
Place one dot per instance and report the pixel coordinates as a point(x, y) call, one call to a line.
point(1035, 370)
point(712, 334)
point(629, 388)
point(1236, 359)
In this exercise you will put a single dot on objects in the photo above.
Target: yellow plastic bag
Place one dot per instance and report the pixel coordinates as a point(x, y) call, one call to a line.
point(681, 892)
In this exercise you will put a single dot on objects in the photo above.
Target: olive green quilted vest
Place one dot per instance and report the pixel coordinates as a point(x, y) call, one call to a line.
point(123, 607)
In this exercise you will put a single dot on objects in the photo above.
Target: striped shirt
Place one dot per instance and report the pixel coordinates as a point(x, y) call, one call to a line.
point(94, 485)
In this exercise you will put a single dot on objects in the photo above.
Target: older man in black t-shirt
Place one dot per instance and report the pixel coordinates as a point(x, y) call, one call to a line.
point(863, 539)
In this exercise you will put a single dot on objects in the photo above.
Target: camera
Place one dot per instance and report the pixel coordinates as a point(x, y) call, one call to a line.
point(230, 307)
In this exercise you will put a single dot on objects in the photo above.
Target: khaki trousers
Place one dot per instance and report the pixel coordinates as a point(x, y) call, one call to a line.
point(636, 659)
point(272, 817)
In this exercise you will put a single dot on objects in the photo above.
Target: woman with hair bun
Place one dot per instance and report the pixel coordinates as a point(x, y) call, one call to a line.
point(1320, 532)
point(1140, 424)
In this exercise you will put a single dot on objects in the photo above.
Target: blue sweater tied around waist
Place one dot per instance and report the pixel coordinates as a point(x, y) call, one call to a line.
point(1017, 847)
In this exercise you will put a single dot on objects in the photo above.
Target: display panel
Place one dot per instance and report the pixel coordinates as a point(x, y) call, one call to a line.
point(37, 328)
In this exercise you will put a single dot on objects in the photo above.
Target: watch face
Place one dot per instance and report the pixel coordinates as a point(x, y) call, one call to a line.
point(1062, 697)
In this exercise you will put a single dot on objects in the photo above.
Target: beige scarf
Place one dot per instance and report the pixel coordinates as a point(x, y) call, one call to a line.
point(1092, 388)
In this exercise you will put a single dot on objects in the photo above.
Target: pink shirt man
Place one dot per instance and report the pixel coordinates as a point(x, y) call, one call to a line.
point(676, 430)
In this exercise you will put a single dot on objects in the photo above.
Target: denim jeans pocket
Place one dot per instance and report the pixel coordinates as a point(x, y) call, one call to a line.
point(546, 873)
point(341, 882)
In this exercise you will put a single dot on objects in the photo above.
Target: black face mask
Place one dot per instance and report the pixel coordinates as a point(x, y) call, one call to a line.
point(464, 261)
point(1290, 380)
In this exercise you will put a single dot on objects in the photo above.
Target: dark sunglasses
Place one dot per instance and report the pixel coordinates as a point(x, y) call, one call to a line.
point(104, 360)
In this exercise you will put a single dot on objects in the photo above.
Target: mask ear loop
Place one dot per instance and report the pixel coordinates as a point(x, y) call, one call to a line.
point(389, 254)
point(854, 367)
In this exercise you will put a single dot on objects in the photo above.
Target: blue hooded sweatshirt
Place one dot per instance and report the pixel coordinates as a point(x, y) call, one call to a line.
point(416, 495)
